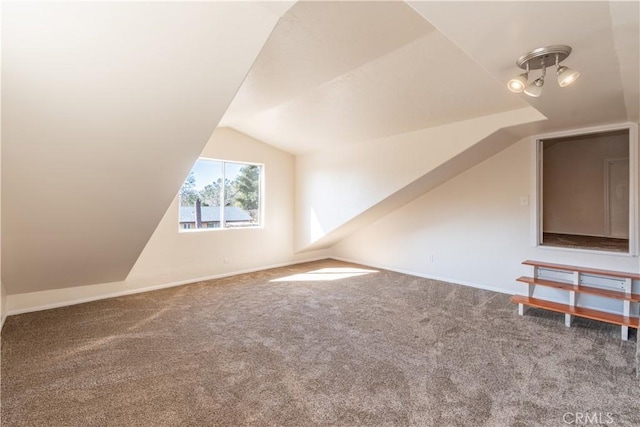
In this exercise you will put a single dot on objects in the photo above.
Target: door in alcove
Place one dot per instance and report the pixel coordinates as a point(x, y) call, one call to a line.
point(617, 199)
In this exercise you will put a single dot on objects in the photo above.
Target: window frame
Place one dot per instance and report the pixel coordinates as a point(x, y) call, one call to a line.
point(261, 204)
point(537, 185)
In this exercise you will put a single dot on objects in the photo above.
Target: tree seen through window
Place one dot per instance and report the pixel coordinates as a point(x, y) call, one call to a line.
point(202, 193)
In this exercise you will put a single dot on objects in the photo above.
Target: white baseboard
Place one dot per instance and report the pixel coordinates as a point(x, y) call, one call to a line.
point(97, 292)
point(427, 276)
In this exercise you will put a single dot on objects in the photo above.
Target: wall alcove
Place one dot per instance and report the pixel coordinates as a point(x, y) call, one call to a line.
point(586, 191)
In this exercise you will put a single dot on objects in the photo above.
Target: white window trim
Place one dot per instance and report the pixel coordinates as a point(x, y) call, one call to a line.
point(536, 190)
point(222, 227)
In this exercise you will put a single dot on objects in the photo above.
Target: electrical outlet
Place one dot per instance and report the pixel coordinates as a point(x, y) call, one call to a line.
point(432, 258)
point(226, 260)
point(524, 201)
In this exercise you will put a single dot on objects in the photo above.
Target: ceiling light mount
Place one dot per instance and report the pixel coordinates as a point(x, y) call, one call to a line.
point(543, 55)
point(540, 59)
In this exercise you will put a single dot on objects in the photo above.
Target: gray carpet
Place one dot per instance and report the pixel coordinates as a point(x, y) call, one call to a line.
point(375, 349)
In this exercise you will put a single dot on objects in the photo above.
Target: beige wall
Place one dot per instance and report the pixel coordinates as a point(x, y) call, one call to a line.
point(106, 105)
point(3, 305)
point(337, 185)
point(574, 183)
point(173, 257)
point(3, 296)
point(471, 230)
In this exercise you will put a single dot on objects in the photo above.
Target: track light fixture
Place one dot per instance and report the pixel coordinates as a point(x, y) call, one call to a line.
point(535, 88)
point(518, 83)
point(540, 59)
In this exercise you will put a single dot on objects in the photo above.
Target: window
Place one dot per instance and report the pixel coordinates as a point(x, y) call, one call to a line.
point(586, 190)
point(211, 182)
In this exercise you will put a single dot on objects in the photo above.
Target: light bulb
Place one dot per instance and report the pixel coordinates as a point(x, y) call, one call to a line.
point(517, 84)
point(535, 88)
point(566, 76)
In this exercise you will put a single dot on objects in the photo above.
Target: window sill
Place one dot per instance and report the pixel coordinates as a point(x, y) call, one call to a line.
point(205, 230)
point(585, 251)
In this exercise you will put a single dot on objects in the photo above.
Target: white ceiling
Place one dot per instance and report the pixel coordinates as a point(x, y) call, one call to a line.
point(336, 73)
point(604, 37)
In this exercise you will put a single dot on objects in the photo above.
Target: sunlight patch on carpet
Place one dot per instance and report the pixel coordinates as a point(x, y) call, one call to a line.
point(325, 274)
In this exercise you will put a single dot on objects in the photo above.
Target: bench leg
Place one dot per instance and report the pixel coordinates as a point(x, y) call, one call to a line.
point(568, 318)
point(626, 310)
point(522, 309)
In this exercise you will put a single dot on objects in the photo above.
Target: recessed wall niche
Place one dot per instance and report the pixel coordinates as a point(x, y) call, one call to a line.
point(586, 191)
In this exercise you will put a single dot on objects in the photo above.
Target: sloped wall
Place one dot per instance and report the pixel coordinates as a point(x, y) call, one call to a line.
point(172, 257)
point(471, 230)
point(336, 186)
point(106, 105)
point(3, 305)
point(3, 295)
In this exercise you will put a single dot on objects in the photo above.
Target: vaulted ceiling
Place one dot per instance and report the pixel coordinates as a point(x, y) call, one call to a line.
point(605, 37)
point(336, 73)
point(106, 105)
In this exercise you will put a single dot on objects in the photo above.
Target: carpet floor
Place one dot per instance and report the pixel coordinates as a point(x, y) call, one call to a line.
point(323, 343)
point(609, 244)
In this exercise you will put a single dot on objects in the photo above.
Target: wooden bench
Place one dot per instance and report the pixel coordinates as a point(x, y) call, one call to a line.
point(576, 287)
